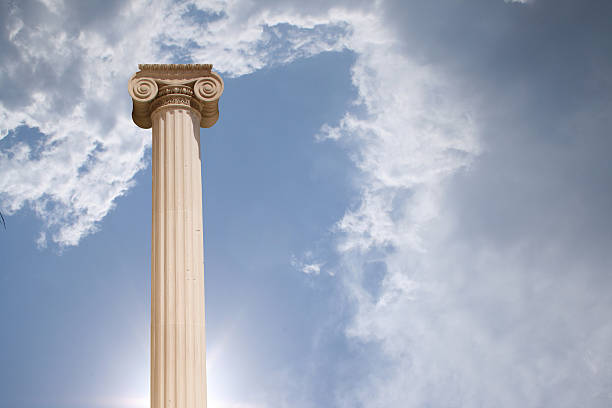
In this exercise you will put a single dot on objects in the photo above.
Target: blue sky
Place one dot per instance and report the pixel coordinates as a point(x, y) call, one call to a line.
point(406, 204)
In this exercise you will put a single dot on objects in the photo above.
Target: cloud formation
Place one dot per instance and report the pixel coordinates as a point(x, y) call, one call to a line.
point(488, 244)
point(65, 72)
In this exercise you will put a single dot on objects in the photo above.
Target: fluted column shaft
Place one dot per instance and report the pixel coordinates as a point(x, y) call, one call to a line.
point(178, 356)
point(176, 100)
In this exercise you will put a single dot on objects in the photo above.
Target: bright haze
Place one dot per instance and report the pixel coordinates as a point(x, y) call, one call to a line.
point(406, 203)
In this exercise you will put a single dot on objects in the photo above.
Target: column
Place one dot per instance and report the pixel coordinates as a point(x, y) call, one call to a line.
point(176, 100)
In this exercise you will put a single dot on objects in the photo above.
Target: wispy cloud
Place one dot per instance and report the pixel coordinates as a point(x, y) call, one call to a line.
point(305, 266)
point(478, 285)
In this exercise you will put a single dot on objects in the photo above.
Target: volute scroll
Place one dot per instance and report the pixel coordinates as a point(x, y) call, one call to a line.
point(192, 85)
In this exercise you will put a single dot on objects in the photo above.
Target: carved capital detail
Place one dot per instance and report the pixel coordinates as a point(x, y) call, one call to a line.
point(194, 86)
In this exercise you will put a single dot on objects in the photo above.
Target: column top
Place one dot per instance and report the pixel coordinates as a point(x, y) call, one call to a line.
point(172, 68)
point(195, 86)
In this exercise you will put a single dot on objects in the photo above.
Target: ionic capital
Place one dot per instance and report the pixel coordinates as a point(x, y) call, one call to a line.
point(194, 86)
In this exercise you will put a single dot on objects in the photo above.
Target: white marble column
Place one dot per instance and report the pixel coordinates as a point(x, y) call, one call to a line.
point(176, 100)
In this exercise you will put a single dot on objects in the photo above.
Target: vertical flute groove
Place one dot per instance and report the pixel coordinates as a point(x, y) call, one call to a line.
point(189, 298)
point(189, 208)
point(154, 267)
point(177, 251)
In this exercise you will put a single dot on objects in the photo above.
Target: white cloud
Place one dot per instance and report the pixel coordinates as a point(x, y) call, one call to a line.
point(306, 264)
point(41, 242)
point(69, 82)
point(416, 133)
point(312, 269)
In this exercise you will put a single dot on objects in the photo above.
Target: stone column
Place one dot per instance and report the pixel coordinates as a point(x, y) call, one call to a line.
point(176, 100)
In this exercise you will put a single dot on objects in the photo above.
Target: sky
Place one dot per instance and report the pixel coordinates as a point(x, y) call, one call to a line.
point(406, 203)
